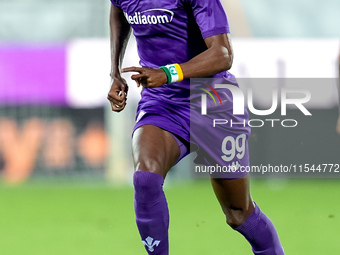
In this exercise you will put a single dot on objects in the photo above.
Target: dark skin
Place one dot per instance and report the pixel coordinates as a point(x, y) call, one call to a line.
point(154, 149)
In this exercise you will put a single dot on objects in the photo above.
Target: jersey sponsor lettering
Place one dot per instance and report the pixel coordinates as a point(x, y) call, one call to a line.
point(150, 17)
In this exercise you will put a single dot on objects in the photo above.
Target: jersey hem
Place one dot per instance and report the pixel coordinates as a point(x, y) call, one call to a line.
point(115, 4)
point(216, 31)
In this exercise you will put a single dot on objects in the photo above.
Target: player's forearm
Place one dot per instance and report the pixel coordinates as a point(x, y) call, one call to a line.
point(207, 63)
point(217, 58)
point(119, 36)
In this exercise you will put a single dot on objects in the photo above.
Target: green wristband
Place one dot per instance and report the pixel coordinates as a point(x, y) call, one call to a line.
point(167, 72)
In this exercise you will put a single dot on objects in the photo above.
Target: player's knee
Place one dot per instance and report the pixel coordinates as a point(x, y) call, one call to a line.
point(152, 165)
point(236, 217)
point(148, 186)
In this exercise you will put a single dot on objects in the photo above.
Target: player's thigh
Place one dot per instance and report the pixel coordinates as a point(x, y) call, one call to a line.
point(234, 197)
point(154, 149)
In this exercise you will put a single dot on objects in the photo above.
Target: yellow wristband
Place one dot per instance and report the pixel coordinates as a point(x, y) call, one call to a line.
point(175, 72)
point(179, 71)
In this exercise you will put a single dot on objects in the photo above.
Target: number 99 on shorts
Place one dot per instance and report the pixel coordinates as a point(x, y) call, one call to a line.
point(233, 147)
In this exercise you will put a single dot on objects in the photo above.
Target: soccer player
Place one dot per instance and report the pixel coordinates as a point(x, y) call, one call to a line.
point(178, 40)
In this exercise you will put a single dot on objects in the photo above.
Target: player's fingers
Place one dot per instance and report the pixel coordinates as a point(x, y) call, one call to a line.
point(132, 69)
point(137, 77)
point(125, 89)
point(116, 102)
point(122, 95)
point(117, 108)
point(117, 95)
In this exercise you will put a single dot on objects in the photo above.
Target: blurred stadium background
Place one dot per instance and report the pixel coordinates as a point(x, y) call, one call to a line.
point(65, 157)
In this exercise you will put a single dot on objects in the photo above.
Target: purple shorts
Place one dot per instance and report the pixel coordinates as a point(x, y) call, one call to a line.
point(172, 118)
point(219, 138)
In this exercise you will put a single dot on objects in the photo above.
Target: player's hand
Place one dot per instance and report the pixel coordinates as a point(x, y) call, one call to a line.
point(118, 94)
point(147, 77)
point(338, 126)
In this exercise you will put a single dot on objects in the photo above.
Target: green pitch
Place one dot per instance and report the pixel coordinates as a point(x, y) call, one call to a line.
point(84, 219)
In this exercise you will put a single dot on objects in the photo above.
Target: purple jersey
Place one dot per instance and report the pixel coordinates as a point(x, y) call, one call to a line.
point(169, 32)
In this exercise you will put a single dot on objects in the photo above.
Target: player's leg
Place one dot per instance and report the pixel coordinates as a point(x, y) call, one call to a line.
point(245, 216)
point(155, 151)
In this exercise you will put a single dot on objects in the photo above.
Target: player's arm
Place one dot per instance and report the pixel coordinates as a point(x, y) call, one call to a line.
point(217, 58)
point(119, 36)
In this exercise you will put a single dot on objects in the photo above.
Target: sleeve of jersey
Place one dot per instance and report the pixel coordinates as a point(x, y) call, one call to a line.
point(210, 17)
point(116, 3)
